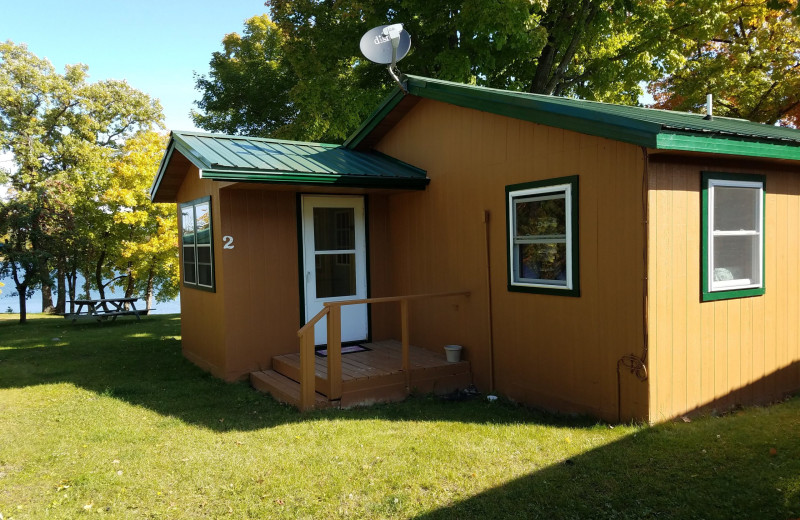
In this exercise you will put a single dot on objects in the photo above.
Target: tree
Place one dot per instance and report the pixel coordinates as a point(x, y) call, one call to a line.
point(233, 97)
point(146, 233)
point(62, 132)
point(21, 227)
point(595, 49)
point(750, 63)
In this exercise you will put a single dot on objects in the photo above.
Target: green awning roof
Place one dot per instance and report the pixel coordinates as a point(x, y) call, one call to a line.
point(251, 159)
point(652, 128)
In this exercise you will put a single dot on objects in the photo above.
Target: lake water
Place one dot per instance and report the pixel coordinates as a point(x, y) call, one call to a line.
point(10, 304)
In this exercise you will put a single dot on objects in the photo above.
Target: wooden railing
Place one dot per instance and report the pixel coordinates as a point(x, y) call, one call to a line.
point(334, 312)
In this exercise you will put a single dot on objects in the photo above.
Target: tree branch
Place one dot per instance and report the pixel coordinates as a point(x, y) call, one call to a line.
point(764, 96)
point(589, 11)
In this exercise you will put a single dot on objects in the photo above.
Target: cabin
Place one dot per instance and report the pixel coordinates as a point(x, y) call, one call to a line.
point(622, 262)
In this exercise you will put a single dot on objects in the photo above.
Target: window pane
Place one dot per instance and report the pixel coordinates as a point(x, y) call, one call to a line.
point(334, 229)
point(735, 208)
point(736, 258)
point(187, 224)
point(203, 223)
point(204, 254)
point(543, 262)
point(336, 275)
point(204, 274)
point(188, 273)
point(541, 217)
point(188, 254)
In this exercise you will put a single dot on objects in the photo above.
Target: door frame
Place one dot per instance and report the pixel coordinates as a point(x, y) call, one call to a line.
point(301, 260)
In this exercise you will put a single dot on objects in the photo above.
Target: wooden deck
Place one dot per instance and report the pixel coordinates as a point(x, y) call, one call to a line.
point(368, 377)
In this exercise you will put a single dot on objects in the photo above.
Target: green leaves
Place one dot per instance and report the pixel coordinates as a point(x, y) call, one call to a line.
point(747, 57)
point(301, 76)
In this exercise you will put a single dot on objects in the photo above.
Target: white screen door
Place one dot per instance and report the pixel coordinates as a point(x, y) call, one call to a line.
point(335, 261)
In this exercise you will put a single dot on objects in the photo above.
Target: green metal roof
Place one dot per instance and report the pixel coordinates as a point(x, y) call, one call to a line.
point(653, 128)
point(251, 159)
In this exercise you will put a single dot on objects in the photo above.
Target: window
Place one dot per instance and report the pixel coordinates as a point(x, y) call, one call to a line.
point(197, 244)
point(542, 219)
point(733, 235)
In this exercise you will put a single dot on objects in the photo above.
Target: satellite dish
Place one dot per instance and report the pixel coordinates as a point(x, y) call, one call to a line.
point(377, 47)
point(387, 44)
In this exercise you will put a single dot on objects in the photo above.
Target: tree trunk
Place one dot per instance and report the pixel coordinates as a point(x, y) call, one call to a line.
point(23, 302)
point(22, 290)
point(72, 281)
point(87, 286)
point(61, 300)
point(129, 288)
point(148, 295)
point(554, 60)
point(47, 299)
point(543, 67)
point(98, 275)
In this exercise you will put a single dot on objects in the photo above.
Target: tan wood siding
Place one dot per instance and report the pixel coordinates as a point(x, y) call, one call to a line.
point(714, 355)
point(384, 318)
point(552, 351)
point(262, 301)
point(203, 312)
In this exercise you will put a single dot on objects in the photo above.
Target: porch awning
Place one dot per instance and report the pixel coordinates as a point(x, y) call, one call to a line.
point(250, 159)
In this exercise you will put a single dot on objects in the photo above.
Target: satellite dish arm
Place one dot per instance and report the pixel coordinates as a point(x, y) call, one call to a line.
point(398, 77)
point(393, 31)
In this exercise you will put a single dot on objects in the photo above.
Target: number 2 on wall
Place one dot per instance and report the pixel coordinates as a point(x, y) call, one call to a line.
point(228, 242)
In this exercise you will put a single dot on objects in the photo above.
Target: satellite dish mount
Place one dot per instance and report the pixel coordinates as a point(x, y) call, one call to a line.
point(387, 44)
point(394, 31)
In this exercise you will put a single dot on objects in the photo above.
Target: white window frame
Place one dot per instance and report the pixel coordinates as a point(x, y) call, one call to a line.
point(196, 284)
point(744, 283)
point(547, 192)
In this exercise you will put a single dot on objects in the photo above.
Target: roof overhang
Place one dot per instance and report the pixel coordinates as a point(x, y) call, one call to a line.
point(270, 161)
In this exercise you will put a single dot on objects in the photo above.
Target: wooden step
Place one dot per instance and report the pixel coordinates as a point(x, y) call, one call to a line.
point(289, 366)
point(283, 389)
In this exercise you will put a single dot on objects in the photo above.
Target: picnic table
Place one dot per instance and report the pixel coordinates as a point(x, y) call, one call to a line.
point(102, 309)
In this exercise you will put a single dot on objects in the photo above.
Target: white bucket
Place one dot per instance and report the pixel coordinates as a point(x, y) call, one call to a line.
point(453, 353)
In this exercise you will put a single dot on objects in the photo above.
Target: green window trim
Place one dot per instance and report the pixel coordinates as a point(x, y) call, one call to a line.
point(197, 244)
point(537, 193)
point(714, 289)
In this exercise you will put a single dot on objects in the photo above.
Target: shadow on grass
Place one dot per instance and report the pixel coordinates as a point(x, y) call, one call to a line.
point(746, 466)
point(141, 363)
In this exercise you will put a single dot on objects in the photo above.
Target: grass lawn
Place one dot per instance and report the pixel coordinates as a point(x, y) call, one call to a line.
point(111, 421)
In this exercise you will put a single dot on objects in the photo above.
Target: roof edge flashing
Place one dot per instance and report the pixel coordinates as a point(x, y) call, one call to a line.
point(726, 145)
point(162, 168)
point(287, 178)
point(377, 115)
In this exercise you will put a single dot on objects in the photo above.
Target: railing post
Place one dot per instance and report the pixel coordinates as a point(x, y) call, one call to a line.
point(404, 340)
point(307, 376)
point(334, 352)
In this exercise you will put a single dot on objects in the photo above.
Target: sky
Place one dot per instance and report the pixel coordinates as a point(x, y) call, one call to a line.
point(156, 46)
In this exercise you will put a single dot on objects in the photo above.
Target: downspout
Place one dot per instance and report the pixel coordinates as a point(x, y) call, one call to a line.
point(489, 301)
point(637, 365)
